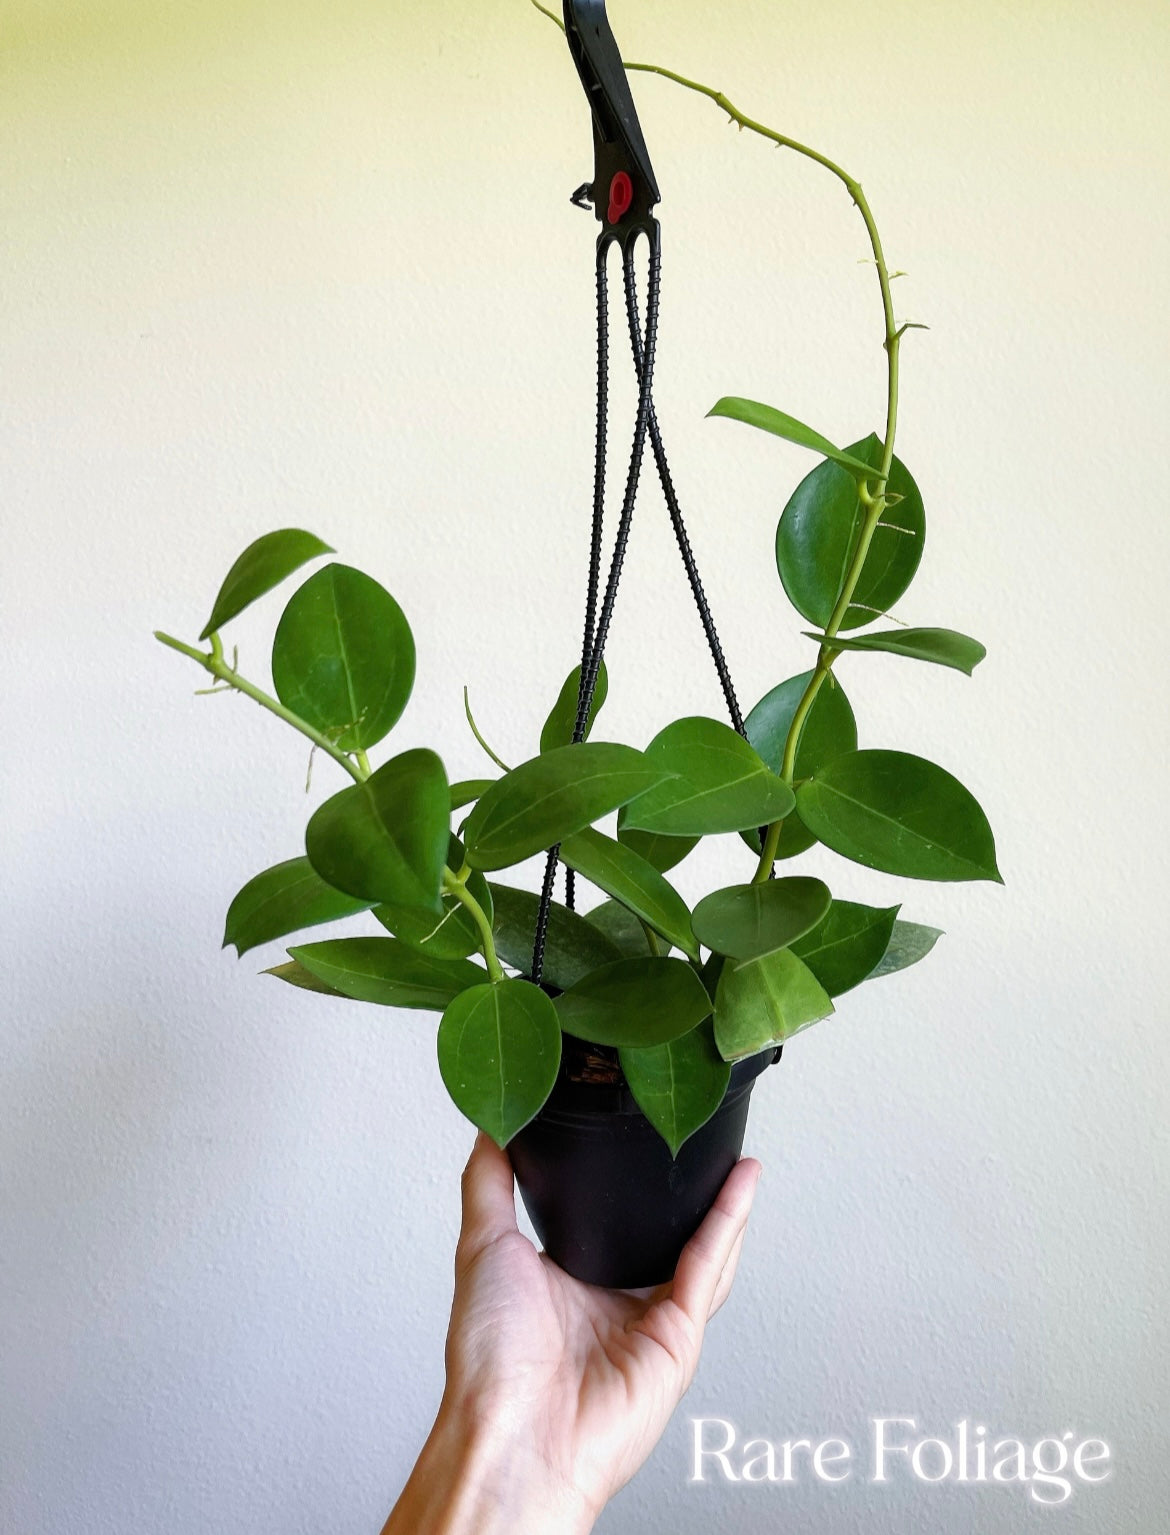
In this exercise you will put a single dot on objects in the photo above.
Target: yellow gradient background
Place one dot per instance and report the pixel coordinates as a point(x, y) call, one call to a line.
point(315, 265)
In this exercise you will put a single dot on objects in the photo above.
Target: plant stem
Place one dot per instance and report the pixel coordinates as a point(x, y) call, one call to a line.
point(214, 663)
point(499, 762)
point(768, 853)
point(875, 501)
point(453, 885)
point(827, 655)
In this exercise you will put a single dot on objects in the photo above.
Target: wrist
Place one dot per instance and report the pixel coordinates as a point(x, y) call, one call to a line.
point(479, 1473)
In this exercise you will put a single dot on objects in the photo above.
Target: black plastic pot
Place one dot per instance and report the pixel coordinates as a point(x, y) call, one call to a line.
point(608, 1201)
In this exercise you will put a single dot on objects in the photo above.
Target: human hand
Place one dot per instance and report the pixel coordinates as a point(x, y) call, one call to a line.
point(557, 1391)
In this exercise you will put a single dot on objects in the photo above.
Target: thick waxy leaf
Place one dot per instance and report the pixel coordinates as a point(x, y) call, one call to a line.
point(573, 947)
point(283, 900)
point(450, 936)
point(468, 790)
point(745, 920)
point(944, 647)
point(621, 927)
point(829, 730)
point(619, 871)
point(296, 975)
point(262, 566)
point(769, 419)
point(662, 851)
point(562, 721)
point(910, 943)
point(901, 814)
point(717, 783)
point(499, 1051)
point(552, 796)
point(764, 1001)
point(386, 971)
point(842, 950)
point(634, 1002)
point(386, 839)
point(343, 657)
point(679, 1085)
point(818, 534)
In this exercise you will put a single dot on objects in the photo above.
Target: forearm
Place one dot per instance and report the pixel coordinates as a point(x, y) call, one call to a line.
point(478, 1475)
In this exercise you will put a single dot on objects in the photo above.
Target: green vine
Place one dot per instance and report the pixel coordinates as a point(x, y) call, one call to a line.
point(213, 662)
point(357, 766)
point(874, 501)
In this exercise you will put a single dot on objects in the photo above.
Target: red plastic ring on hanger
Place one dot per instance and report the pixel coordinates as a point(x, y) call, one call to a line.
point(621, 195)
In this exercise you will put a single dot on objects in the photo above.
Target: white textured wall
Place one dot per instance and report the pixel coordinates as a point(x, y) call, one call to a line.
point(314, 264)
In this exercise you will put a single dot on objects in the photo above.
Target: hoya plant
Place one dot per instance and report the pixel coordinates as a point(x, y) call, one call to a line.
point(417, 865)
point(680, 994)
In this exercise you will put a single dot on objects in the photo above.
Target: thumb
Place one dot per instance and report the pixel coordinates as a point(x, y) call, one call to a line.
point(489, 1200)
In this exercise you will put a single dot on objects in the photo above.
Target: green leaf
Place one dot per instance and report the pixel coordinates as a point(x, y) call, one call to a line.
point(559, 727)
point(901, 814)
point(454, 934)
point(385, 840)
point(710, 971)
point(678, 1085)
point(282, 900)
point(818, 533)
point(842, 950)
point(764, 1001)
point(343, 657)
point(634, 1002)
point(910, 943)
point(573, 947)
point(661, 851)
point(552, 796)
point(745, 920)
point(829, 730)
point(942, 646)
point(262, 566)
point(468, 790)
point(499, 1052)
point(621, 927)
point(296, 975)
point(388, 972)
point(712, 781)
point(768, 419)
point(619, 871)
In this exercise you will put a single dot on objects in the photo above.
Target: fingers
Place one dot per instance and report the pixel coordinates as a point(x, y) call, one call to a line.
point(727, 1278)
point(713, 1251)
point(489, 1199)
